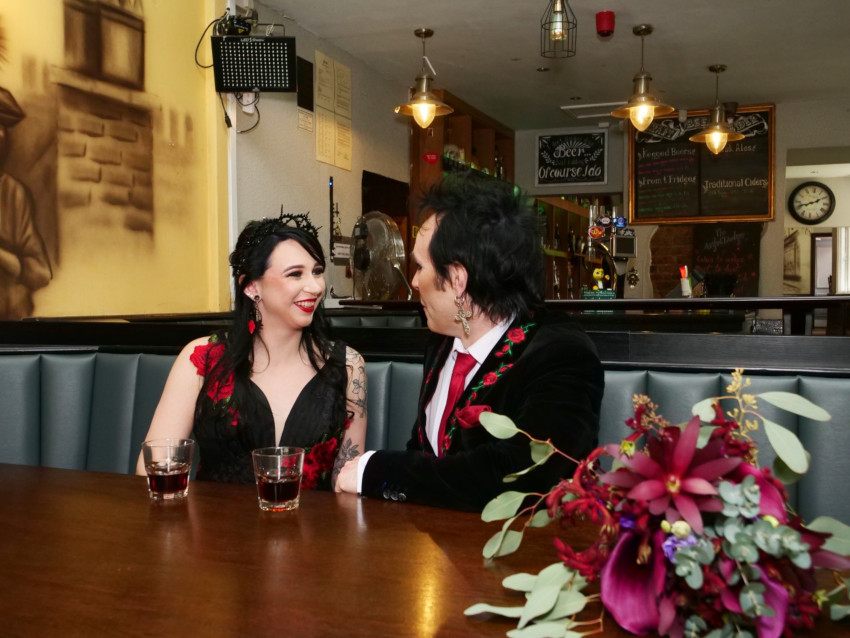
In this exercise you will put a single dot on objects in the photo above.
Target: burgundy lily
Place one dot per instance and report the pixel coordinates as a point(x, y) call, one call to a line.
point(632, 585)
point(672, 478)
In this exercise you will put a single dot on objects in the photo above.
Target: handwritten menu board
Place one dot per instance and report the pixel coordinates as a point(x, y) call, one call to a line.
point(572, 158)
point(672, 179)
point(728, 255)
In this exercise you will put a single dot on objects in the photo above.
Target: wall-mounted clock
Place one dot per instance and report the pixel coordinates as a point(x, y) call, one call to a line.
point(811, 203)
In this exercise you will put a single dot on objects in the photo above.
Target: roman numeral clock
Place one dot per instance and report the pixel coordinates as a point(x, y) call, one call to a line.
point(811, 203)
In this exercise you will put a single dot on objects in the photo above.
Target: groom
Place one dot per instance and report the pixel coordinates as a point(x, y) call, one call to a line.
point(480, 273)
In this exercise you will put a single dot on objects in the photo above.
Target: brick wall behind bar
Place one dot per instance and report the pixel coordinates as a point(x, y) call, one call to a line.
point(672, 246)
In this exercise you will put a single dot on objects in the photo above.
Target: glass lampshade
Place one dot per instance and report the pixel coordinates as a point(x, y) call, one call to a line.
point(718, 132)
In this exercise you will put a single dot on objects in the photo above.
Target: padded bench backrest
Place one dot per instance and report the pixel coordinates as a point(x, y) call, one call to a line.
point(80, 411)
point(92, 410)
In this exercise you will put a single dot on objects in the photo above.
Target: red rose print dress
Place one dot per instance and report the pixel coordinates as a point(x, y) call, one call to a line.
point(225, 436)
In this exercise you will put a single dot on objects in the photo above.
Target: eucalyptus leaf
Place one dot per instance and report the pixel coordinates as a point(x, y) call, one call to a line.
point(541, 450)
point(784, 473)
point(795, 403)
point(839, 612)
point(509, 478)
point(484, 608)
point(505, 505)
point(541, 518)
point(787, 446)
point(839, 542)
point(705, 410)
point(570, 602)
point(520, 582)
point(498, 425)
point(509, 544)
point(704, 435)
point(498, 545)
point(545, 592)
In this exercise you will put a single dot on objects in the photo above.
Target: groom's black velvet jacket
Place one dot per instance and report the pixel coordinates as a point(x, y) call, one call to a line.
point(545, 375)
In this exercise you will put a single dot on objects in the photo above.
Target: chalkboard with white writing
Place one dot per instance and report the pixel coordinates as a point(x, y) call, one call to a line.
point(572, 158)
point(672, 179)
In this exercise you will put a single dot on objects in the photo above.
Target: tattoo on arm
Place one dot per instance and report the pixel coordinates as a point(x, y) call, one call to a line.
point(347, 452)
point(357, 382)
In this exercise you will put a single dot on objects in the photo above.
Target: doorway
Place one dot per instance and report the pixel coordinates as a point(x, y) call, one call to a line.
point(821, 265)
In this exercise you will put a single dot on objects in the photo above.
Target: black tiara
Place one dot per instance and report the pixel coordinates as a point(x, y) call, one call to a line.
point(267, 227)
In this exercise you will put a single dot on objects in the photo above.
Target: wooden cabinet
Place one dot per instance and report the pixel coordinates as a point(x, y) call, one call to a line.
point(475, 136)
point(564, 230)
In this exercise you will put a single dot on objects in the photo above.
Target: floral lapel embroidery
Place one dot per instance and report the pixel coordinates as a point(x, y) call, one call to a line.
point(505, 353)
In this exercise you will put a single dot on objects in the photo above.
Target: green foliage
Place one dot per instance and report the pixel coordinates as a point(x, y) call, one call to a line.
point(839, 542)
point(787, 447)
point(552, 597)
point(800, 406)
point(498, 425)
point(505, 505)
point(505, 541)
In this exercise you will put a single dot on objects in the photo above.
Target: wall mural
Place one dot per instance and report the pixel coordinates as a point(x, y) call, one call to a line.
point(102, 188)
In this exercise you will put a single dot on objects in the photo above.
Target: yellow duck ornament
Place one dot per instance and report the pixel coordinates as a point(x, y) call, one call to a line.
point(599, 277)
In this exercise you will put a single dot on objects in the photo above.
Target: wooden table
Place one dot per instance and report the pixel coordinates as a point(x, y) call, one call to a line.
point(87, 554)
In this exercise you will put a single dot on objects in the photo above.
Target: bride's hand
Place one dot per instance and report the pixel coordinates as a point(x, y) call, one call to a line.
point(347, 479)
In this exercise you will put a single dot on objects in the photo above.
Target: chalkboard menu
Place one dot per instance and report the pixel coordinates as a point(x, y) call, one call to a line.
point(728, 256)
point(672, 179)
point(572, 158)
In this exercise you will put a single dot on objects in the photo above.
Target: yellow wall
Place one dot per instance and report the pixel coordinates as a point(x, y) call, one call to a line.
point(101, 266)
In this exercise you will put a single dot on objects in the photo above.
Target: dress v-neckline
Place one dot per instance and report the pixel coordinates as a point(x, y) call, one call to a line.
point(295, 404)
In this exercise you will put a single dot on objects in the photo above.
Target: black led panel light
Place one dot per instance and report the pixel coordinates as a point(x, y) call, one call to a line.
point(245, 63)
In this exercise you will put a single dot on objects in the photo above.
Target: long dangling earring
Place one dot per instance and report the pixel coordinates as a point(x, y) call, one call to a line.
point(462, 315)
point(256, 320)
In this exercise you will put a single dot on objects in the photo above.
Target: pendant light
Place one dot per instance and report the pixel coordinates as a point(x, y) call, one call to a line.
point(718, 131)
point(558, 28)
point(423, 105)
point(642, 106)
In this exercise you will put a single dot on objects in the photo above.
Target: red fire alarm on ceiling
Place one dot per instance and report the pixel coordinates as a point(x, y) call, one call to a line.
point(605, 24)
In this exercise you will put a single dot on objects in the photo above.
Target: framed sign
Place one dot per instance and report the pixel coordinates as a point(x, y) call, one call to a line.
point(573, 159)
point(672, 179)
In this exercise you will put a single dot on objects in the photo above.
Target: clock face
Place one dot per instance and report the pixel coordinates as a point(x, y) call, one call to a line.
point(811, 203)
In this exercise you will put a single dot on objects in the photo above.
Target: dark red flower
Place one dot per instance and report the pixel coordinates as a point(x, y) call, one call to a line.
point(205, 357)
point(516, 335)
point(469, 416)
point(317, 462)
point(490, 378)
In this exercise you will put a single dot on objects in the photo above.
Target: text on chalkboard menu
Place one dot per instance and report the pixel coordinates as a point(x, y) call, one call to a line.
point(672, 179)
point(572, 158)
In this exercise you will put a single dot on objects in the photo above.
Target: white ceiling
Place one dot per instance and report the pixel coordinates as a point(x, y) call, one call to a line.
point(487, 52)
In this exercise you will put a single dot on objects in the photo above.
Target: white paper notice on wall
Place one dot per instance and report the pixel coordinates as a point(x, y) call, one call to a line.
point(342, 142)
point(325, 133)
point(305, 120)
point(333, 112)
point(342, 92)
point(325, 81)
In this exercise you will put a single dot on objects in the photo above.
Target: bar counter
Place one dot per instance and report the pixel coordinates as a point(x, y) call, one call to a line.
point(87, 554)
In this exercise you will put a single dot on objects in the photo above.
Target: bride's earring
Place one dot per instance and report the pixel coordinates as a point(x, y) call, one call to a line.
point(462, 315)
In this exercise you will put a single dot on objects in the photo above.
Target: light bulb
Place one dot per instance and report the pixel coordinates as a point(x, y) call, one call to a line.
point(424, 114)
point(641, 116)
point(716, 141)
point(556, 28)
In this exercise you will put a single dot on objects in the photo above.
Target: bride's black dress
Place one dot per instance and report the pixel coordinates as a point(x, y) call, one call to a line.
point(317, 422)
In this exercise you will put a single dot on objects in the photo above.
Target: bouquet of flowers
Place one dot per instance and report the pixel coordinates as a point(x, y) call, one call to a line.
point(694, 539)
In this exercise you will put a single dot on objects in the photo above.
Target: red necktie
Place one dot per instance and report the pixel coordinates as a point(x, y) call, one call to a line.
point(463, 364)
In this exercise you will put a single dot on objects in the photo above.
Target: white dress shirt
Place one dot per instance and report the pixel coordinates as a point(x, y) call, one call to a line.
point(434, 410)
